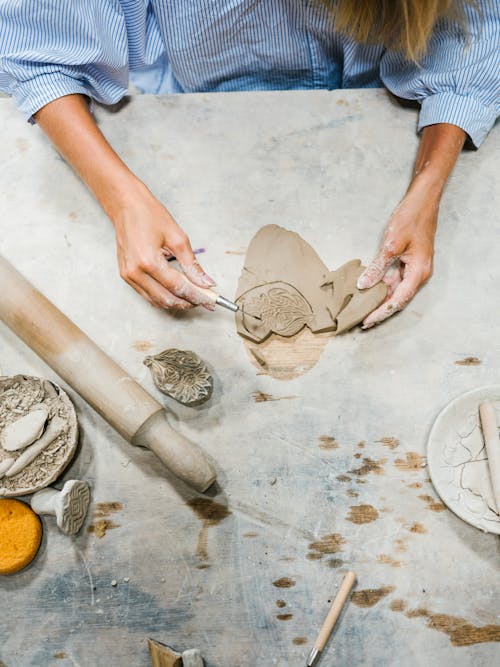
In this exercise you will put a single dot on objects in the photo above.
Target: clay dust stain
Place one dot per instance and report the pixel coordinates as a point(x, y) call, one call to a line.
point(328, 442)
point(210, 513)
point(460, 631)
point(369, 597)
point(335, 562)
point(101, 527)
point(389, 560)
point(105, 509)
point(432, 503)
point(389, 441)
point(102, 524)
point(343, 478)
point(299, 641)
point(329, 544)
point(412, 462)
point(284, 582)
point(262, 397)
point(468, 361)
point(352, 493)
point(142, 345)
point(362, 444)
point(280, 603)
point(362, 514)
point(398, 605)
point(284, 617)
point(417, 528)
point(60, 655)
point(249, 535)
point(400, 545)
point(369, 466)
point(415, 485)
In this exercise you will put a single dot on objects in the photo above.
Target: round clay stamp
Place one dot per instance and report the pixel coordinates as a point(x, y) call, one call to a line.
point(38, 434)
point(20, 535)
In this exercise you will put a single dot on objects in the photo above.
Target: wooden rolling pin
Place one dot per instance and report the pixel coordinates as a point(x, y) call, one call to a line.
point(491, 440)
point(123, 403)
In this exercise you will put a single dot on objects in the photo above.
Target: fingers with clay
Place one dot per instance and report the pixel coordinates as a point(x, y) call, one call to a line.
point(146, 237)
point(404, 263)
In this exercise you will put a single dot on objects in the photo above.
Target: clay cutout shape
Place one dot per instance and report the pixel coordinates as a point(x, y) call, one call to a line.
point(182, 375)
point(37, 465)
point(25, 430)
point(69, 506)
point(350, 305)
point(285, 282)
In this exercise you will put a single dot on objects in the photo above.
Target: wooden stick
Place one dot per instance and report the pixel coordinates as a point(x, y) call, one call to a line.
point(331, 618)
point(490, 433)
point(123, 403)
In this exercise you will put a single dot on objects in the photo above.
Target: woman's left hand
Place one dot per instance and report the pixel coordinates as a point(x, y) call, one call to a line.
point(405, 258)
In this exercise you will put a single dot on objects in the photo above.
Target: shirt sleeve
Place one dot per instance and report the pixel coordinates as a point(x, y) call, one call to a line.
point(458, 81)
point(52, 48)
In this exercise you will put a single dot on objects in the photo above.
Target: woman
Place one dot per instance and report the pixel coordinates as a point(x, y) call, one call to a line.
point(444, 54)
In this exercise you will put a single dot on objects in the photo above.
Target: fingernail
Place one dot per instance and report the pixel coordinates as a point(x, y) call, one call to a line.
point(210, 282)
point(209, 306)
point(363, 282)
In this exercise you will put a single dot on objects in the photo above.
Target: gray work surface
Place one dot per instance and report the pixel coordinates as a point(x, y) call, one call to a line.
point(331, 166)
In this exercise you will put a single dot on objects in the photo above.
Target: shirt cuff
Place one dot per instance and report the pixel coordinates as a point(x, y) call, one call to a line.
point(461, 110)
point(31, 95)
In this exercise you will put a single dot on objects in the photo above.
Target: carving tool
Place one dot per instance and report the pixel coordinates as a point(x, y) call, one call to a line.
point(219, 300)
point(491, 440)
point(331, 618)
point(123, 403)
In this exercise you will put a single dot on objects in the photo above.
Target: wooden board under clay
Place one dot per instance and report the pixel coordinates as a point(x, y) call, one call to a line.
point(285, 282)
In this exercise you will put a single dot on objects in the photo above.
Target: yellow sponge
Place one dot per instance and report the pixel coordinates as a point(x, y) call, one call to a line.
point(20, 535)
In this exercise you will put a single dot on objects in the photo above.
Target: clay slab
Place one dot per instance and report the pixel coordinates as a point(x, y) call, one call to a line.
point(457, 459)
point(286, 283)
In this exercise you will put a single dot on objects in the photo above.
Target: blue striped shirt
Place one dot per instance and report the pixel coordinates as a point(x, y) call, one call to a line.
point(52, 48)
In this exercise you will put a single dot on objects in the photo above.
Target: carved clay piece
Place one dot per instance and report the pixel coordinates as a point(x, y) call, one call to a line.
point(69, 506)
point(287, 284)
point(25, 430)
point(182, 375)
point(30, 406)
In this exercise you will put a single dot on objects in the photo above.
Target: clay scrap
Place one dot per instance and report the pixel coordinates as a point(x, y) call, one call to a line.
point(182, 375)
point(38, 434)
point(286, 283)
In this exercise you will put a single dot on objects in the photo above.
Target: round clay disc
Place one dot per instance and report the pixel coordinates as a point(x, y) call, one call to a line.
point(457, 459)
point(20, 535)
point(19, 394)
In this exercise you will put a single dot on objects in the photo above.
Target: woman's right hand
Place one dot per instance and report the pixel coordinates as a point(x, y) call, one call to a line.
point(146, 235)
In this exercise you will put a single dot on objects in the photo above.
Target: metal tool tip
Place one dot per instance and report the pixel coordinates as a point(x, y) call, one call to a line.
point(312, 658)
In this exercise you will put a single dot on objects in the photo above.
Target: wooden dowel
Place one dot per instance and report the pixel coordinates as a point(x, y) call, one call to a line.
point(122, 401)
point(489, 426)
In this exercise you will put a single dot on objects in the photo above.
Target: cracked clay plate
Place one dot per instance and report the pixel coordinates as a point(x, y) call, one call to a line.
point(458, 465)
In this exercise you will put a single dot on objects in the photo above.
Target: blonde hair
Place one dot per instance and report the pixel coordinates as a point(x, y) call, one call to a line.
point(404, 25)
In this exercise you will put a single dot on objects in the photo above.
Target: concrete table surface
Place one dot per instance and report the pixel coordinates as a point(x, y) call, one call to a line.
point(319, 474)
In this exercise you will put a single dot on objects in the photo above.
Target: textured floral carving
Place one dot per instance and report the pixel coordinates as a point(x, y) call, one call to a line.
point(182, 375)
